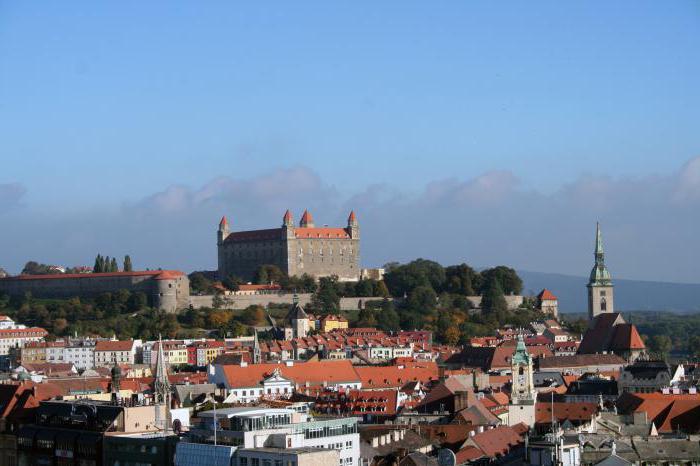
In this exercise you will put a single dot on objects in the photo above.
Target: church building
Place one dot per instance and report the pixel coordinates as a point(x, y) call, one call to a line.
point(600, 286)
point(296, 250)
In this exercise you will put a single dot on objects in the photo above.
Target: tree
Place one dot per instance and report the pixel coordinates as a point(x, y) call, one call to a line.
point(422, 299)
point(381, 290)
point(232, 282)
point(508, 279)
point(199, 283)
point(253, 315)
point(459, 279)
point(493, 301)
point(694, 346)
point(137, 301)
point(364, 287)
point(269, 273)
point(327, 298)
point(660, 344)
point(403, 279)
point(99, 264)
point(127, 264)
point(388, 317)
point(113, 267)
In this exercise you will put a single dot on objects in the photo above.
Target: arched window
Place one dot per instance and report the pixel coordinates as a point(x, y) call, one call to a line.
point(520, 370)
point(603, 305)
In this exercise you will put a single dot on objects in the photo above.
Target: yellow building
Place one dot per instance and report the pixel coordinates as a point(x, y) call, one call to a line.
point(332, 322)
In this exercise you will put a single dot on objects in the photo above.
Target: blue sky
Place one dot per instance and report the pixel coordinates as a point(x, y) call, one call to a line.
point(111, 108)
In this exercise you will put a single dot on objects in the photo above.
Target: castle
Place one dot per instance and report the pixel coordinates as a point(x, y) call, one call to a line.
point(306, 249)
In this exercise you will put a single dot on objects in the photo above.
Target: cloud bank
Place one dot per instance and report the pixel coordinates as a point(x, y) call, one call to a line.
point(650, 224)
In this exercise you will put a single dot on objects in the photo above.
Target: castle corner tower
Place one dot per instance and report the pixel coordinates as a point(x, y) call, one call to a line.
point(600, 286)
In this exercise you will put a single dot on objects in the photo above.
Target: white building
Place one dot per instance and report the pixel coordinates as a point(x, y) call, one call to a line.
point(262, 432)
point(17, 337)
point(81, 353)
point(107, 352)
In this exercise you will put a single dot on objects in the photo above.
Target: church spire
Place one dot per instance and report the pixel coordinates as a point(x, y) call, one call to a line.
point(162, 384)
point(599, 254)
point(599, 275)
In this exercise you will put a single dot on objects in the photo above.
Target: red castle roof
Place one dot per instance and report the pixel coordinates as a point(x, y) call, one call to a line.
point(546, 295)
point(157, 274)
point(306, 218)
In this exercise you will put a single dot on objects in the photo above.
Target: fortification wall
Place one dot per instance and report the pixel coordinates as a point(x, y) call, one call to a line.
point(168, 294)
point(241, 302)
point(513, 301)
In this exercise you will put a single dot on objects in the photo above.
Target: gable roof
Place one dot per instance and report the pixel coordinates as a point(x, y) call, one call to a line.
point(546, 295)
point(397, 375)
point(573, 412)
point(313, 372)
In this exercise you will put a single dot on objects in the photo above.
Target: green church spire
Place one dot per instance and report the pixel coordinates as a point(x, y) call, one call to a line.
point(599, 275)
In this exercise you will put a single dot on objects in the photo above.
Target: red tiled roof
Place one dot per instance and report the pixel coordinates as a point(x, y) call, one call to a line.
point(114, 345)
point(325, 232)
point(223, 221)
point(545, 294)
point(626, 337)
point(499, 440)
point(22, 332)
point(668, 412)
point(573, 412)
point(394, 376)
point(287, 217)
point(319, 372)
point(158, 274)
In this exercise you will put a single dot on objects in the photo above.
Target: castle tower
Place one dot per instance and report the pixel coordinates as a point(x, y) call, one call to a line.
point(523, 395)
point(353, 225)
point(223, 231)
point(600, 286)
point(307, 221)
point(287, 220)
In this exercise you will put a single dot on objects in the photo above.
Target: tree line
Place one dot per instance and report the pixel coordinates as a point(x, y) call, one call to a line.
point(105, 264)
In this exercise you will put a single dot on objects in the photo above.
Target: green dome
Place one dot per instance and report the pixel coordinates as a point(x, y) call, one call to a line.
point(600, 275)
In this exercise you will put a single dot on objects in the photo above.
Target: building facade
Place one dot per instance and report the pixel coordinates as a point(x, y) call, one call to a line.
point(306, 249)
point(600, 286)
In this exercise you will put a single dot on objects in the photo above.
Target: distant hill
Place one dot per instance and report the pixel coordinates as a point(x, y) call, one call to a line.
point(630, 295)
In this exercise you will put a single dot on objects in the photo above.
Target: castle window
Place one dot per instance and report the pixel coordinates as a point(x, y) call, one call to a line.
point(603, 305)
point(602, 292)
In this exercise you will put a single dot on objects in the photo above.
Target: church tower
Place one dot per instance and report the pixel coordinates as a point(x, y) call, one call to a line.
point(523, 395)
point(161, 391)
point(600, 286)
